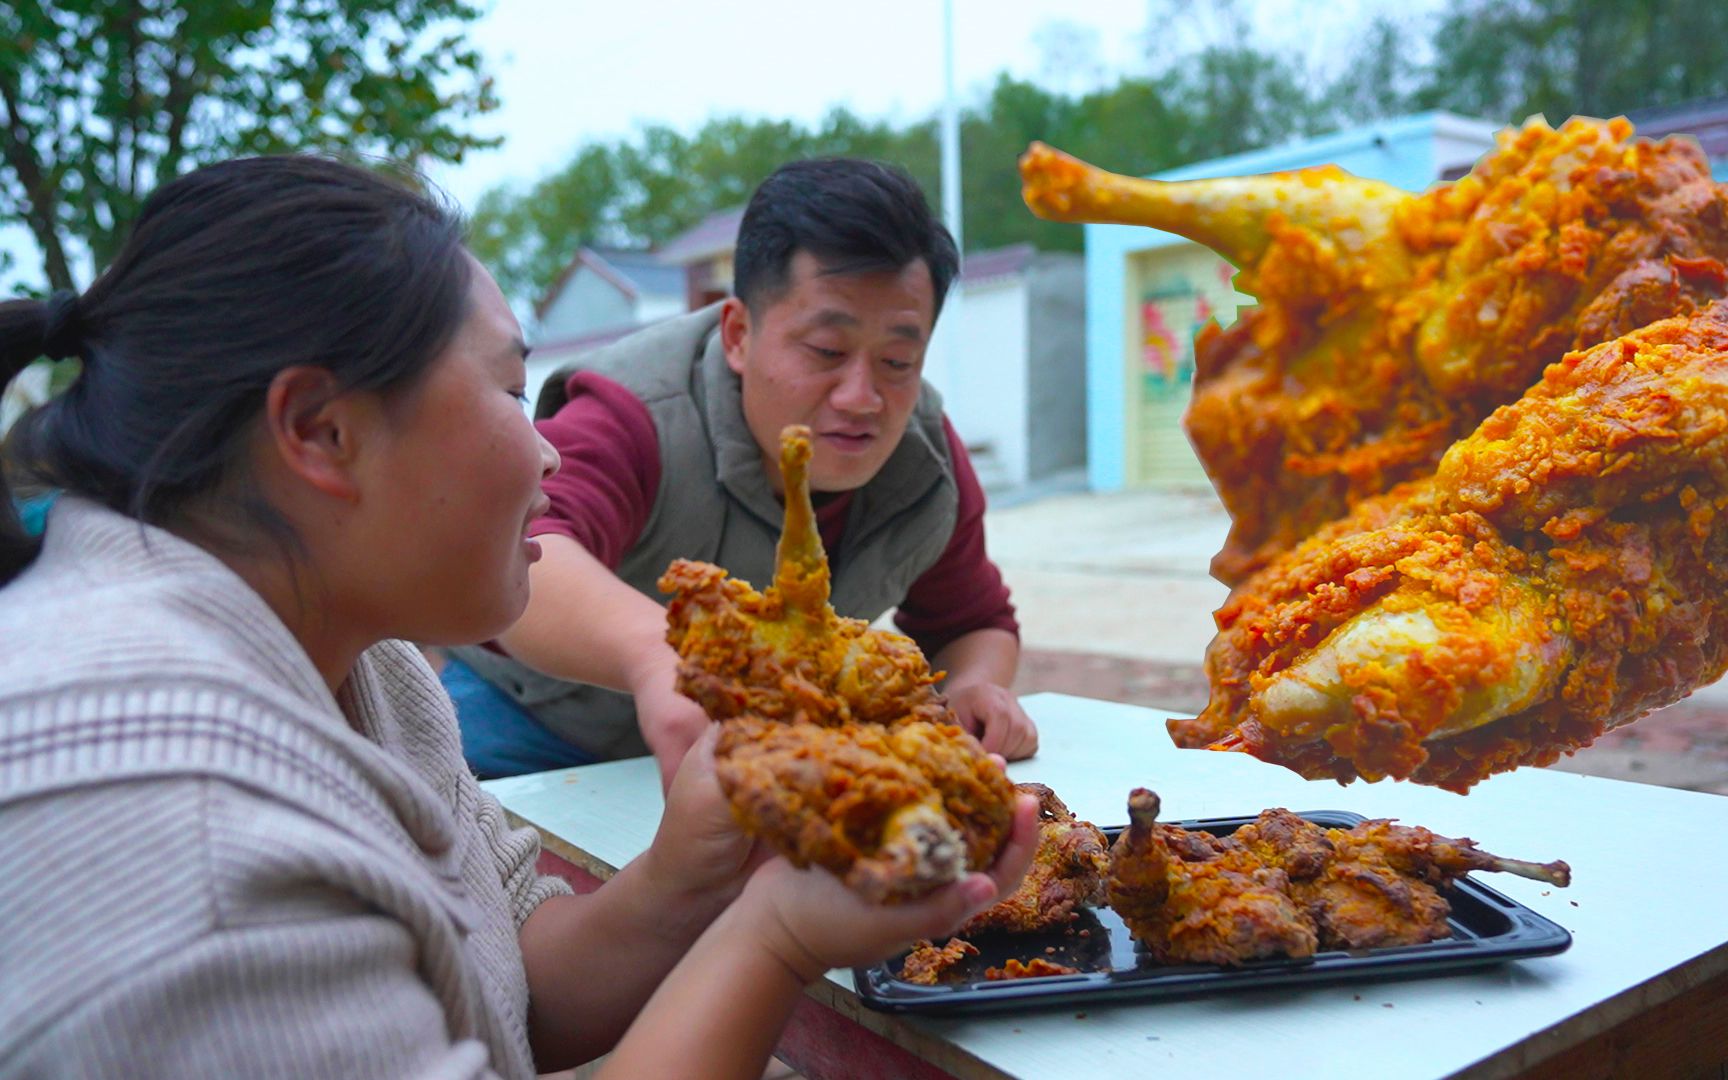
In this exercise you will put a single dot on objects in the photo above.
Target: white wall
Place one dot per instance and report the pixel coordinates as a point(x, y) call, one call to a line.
point(588, 302)
point(984, 386)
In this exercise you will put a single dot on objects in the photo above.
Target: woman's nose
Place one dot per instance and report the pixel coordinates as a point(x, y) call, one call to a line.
point(549, 460)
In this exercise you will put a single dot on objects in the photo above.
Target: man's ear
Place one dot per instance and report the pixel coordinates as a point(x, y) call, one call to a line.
point(734, 329)
point(314, 428)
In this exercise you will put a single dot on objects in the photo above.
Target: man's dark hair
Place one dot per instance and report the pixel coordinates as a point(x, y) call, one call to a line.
point(854, 216)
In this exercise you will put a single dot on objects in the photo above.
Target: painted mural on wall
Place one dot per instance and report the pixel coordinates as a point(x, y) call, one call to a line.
point(1180, 288)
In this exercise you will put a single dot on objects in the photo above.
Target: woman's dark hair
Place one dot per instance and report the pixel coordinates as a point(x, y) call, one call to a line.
point(231, 274)
point(854, 216)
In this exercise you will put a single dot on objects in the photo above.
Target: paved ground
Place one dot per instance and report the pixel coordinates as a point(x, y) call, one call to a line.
point(1115, 603)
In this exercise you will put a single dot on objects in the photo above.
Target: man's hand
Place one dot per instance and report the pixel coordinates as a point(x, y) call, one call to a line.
point(670, 722)
point(994, 714)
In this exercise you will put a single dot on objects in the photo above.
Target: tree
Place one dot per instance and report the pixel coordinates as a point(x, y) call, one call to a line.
point(1508, 59)
point(640, 192)
point(102, 100)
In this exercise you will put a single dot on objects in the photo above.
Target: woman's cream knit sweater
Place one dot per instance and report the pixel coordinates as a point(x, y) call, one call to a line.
point(211, 867)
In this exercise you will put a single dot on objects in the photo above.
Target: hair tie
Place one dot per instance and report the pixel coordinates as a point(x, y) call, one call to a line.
point(63, 332)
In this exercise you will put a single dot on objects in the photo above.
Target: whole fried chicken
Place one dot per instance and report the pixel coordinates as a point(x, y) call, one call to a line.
point(835, 745)
point(1284, 886)
point(1390, 324)
point(1456, 547)
point(1067, 873)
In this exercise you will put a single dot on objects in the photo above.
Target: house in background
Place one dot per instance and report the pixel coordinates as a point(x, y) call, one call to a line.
point(1014, 379)
point(704, 256)
point(601, 296)
point(1149, 291)
point(1012, 374)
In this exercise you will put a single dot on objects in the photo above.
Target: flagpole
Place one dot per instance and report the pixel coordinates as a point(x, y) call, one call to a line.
point(941, 356)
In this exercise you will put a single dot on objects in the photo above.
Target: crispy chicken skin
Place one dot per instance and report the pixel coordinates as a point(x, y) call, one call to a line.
point(928, 964)
point(1067, 873)
point(1389, 325)
point(835, 745)
point(1560, 574)
point(1283, 886)
point(1470, 442)
point(1035, 968)
point(1225, 909)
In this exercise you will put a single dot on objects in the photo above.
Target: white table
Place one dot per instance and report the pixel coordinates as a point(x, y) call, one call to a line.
point(1644, 986)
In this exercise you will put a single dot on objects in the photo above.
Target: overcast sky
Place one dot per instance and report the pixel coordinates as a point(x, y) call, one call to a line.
point(572, 71)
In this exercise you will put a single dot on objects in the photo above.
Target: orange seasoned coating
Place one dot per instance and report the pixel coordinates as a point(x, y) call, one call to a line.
point(1035, 968)
point(1468, 443)
point(1559, 575)
point(1283, 886)
point(1067, 873)
point(835, 746)
point(1388, 324)
point(928, 964)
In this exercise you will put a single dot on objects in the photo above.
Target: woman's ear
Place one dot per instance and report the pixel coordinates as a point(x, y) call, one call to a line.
point(315, 429)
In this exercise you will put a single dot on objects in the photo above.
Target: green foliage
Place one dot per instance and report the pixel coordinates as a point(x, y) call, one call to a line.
point(641, 192)
point(1508, 59)
point(1496, 59)
point(102, 100)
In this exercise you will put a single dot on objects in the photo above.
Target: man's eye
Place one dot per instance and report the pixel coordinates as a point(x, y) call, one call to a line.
point(897, 364)
point(826, 354)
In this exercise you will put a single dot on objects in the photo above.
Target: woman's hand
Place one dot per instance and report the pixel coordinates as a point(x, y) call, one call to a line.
point(812, 922)
point(699, 853)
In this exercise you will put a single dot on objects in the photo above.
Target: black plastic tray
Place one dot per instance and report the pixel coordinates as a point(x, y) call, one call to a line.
point(1487, 928)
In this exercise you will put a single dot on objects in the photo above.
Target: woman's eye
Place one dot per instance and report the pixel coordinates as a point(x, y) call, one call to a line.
point(520, 395)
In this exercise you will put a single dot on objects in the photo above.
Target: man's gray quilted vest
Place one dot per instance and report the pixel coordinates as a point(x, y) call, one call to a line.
point(715, 505)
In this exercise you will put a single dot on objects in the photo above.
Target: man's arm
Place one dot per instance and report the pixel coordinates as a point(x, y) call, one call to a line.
point(959, 612)
point(980, 667)
point(585, 625)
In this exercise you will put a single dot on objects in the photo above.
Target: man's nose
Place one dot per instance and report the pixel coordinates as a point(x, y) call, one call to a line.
point(856, 392)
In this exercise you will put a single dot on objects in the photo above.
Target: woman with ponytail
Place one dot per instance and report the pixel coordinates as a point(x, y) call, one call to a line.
point(237, 836)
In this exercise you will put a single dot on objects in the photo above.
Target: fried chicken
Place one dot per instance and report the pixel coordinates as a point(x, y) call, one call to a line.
point(835, 745)
point(1035, 968)
point(1561, 574)
point(928, 964)
point(1389, 324)
point(1283, 886)
point(1225, 909)
point(1067, 873)
point(1470, 442)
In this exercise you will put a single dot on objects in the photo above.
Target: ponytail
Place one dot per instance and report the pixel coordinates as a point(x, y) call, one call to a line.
point(30, 330)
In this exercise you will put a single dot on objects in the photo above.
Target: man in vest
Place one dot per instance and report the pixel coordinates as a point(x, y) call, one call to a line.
point(669, 441)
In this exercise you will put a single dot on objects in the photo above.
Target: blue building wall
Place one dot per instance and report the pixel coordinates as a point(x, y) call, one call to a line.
point(1406, 152)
